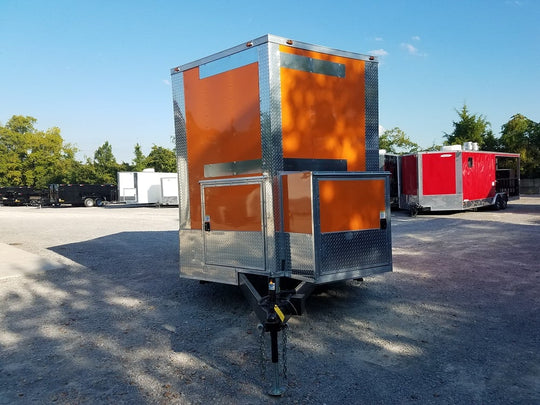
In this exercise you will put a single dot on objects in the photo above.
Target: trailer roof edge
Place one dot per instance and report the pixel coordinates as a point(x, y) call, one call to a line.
point(269, 38)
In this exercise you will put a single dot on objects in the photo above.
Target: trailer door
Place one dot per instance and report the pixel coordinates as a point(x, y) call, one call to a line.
point(233, 223)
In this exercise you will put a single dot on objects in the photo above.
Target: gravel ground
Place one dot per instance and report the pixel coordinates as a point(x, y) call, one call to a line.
point(457, 321)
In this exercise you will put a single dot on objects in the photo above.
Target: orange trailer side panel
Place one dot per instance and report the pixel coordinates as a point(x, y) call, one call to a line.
point(339, 214)
point(234, 208)
point(297, 210)
point(222, 123)
point(323, 116)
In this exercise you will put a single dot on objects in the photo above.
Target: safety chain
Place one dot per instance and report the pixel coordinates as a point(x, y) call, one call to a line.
point(262, 352)
point(284, 333)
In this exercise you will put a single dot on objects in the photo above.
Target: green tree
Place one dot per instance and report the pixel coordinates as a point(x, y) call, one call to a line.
point(433, 148)
point(491, 142)
point(396, 141)
point(105, 166)
point(139, 162)
point(10, 164)
point(161, 159)
point(84, 173)
point(470, 128)
point(522, 135)
point(29, 157)
point(21, 124)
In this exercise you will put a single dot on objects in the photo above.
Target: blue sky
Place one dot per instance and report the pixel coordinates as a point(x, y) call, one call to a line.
point(100, 70)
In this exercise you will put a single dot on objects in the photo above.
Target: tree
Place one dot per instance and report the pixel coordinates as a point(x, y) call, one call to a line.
point(21, 124)
point(83, 173)
point(105, 164)
point(470, 128)
point(161, 159)
point(433, 148)
point(396, 141)
point(522, 135)
point(29, 157)
point(491, 143)
point(139, 162)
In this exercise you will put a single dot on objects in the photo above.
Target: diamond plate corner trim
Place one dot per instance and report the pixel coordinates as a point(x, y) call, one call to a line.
point(179, 108)
point(372, 116)
point(272, 150)
point(191, 249)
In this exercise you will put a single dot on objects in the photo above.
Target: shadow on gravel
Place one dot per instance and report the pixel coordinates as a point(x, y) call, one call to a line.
point(124, 329)
point(456, 322)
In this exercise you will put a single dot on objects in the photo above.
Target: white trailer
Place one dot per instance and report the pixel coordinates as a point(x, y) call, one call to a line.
point(148, 187)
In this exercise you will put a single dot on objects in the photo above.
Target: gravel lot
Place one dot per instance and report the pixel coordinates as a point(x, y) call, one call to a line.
point(456, 322)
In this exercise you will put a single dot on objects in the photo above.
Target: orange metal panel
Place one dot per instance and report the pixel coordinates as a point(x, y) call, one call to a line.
point(234, 208)
point(323, 117)
point(297, 210)
point(349, 205)
point(222, 123)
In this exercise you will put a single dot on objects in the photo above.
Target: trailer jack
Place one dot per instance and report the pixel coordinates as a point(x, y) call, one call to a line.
point(273, 311)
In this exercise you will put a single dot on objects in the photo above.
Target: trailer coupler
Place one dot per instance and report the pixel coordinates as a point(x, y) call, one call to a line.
point(274, 310)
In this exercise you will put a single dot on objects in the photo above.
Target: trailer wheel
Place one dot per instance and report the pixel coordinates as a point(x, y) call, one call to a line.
point(413, 210)
point(500, 203)
point(99, 202)
point(88, 202)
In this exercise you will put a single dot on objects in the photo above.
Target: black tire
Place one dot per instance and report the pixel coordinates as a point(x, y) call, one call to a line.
point(89, 202)
point(500, 203)
point(99, 202)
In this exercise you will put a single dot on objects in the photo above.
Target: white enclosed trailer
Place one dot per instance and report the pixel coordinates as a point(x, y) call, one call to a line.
point(148, 187)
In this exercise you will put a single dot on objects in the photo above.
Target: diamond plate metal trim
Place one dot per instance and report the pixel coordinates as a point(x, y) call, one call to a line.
point(179, 110)
point(372, 116)
point(345, 251)
point(272, 150)
point(243, 250)
point(302, 255)
point(191, 249)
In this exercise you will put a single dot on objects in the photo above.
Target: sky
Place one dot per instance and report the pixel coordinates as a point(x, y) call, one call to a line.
point(100, 70)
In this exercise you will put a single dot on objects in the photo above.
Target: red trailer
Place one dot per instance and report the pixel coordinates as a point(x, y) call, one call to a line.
point(454, 180)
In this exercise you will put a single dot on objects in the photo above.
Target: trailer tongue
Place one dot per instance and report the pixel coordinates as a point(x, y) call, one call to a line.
point(277, 152)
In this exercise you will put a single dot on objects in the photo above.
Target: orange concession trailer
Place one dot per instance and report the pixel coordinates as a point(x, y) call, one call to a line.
point(277, 147)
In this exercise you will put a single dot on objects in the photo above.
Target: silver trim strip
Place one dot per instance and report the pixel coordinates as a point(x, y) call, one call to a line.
point(311, 65)
point(233, 168)
point(227, 63)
